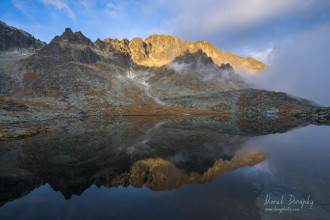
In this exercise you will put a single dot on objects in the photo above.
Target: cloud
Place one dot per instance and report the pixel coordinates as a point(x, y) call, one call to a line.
point(113, 9)
point(212, 16)
point(21, 5)
point(180, 67)
point(201, 69)
point(235, 14)
point(241, 25)
point(300, 66)
point(60, 5)
point(263, 56)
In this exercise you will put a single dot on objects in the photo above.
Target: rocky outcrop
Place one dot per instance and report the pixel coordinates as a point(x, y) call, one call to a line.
point(75, 38)
point(248, 102)
point(193, 74)
point(159, 50)
point(13, 39)
point(116, 45)
point(71, 47)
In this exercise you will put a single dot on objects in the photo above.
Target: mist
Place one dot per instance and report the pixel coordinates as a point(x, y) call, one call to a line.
point(299, 66)
point(207, 71)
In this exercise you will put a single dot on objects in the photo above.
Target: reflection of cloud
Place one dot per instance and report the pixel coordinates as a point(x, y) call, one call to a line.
point(265, 167)
point(60, 4)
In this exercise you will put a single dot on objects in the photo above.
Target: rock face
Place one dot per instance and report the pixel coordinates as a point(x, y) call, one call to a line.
point(249, 102)
point(12, 39)
point(159, 50)
point(190, 74)
point(71, 47)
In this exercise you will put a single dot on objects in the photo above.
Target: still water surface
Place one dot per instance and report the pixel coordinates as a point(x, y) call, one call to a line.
point(156, 168)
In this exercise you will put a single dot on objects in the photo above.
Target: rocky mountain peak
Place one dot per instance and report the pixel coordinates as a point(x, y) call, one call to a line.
point(200, 65)
point(119, 46)
point(65, 47)
point(198, 57)
point(199, 61)
point(16, 39)
point(163, 39)
point(158, 50)
point(100, 44)
point(75, 37)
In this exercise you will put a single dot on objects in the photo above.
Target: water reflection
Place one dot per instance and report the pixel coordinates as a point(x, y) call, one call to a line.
point(157, 153)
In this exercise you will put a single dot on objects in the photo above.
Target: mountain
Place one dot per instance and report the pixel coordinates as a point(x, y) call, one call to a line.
point(159, 50)
point(73, 76)
point(12, 39)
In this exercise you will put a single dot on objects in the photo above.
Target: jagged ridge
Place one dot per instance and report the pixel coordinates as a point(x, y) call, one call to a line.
point(158, 50)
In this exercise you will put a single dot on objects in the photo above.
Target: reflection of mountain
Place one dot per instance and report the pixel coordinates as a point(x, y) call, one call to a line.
point(16, 183)
point(159, 174)
point(74, 154)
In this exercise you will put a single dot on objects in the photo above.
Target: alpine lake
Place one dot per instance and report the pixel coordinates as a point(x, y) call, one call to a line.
point(210, 167)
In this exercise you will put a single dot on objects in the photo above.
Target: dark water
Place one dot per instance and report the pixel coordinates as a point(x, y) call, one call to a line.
point(154, 168)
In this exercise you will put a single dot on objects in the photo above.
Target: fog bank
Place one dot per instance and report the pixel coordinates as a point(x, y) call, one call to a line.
point(300, 67)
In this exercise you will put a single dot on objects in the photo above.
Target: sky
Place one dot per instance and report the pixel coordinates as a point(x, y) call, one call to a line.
point(244, 27)
point(262, 29)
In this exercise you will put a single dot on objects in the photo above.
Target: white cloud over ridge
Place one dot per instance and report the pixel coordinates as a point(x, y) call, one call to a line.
point(263, 56)
point(300, 67)
point(234, 14)
point(241, 25)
